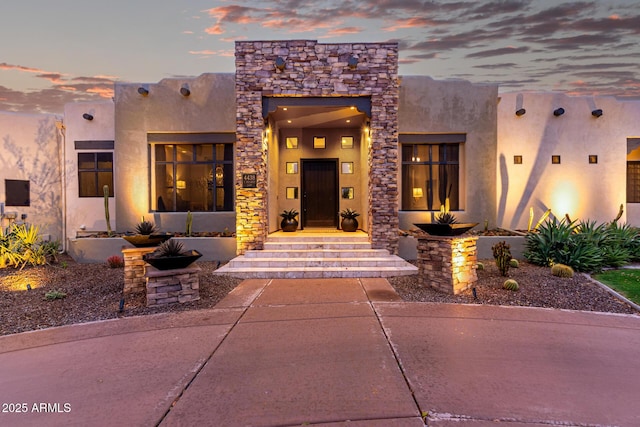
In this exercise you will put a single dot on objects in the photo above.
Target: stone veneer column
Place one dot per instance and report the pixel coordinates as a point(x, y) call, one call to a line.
point(134, 280)
point(447, 264)
point(179, 285)
point(316, 70)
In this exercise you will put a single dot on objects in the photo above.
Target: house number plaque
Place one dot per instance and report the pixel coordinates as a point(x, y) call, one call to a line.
point(249, 180)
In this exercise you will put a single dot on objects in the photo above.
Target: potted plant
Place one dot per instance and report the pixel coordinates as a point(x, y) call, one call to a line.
point(146, 235)
point(349, 222)
point(171, 255)
point(446, 224)
point(289, 222)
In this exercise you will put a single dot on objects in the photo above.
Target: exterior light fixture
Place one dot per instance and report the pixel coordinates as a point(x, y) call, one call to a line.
point(596, 113)
point(184, 91)
point(558, 111)
point(87, 116)
point(352, 62)
point(520, 112)
point(142, 91)
point(280, 63)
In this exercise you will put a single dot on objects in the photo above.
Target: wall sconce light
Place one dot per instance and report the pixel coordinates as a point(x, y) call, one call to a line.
point(87, 116)
point(142, 91)
point(184, 91)
point(417, 193)
point(181, 185)
point(352, 62)
point(558, 111)
point(596, 113)
point(520, 112)
point(280, 63)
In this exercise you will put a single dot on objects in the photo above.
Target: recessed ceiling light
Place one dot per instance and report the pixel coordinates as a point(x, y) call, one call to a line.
point(348, 120)
point(288, 121)
point(284, 108)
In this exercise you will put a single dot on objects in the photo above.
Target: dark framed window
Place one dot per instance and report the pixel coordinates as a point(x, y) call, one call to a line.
point(430, 175)
point(17, 192)
point(193, 177)
point(95, 170)
point(633, 182)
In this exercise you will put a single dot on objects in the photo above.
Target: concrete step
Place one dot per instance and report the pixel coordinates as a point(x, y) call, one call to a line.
point(316, 272)
point(388, 261)
point(338, 237)
point(317, 253)
point(297, 245)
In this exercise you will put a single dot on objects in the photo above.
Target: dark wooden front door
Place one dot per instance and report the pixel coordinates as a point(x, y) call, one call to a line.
point(319, 193)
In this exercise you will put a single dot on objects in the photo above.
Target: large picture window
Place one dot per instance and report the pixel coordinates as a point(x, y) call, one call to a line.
point(430, 175)
point(193, 177)
point(95, 170)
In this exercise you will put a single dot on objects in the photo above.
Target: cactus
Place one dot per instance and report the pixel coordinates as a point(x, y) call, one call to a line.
point(105, 190)
point(561, 270)
point(479, 266)
point(502, 255)
point(189, 223)
point(444, 217)
point(510, 285)
point(514, 263)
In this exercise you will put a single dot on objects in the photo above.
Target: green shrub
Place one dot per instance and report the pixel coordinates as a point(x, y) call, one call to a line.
point(561, 270)
point(510, 285)
point(22, 244)
point(54, 295)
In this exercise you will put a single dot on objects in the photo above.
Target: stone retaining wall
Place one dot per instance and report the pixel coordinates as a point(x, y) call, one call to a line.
point(447, 264)
point(134, 268)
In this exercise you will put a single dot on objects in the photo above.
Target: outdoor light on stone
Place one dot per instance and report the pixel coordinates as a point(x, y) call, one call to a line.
point(142, 91)
point(352, 62)
point(558, 112)
point(184, 91)
point(520, 112)
point(87, 116)
point(280, 63)
point(596, 113)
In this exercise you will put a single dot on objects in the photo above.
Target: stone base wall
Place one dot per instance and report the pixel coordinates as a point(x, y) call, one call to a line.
point(172, 286)
point(447, 264)
point(134, 280)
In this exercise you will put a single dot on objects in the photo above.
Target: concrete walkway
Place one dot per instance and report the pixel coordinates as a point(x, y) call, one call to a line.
point(330, 352)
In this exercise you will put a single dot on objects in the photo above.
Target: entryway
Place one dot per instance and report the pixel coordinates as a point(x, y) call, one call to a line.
point(319, 193)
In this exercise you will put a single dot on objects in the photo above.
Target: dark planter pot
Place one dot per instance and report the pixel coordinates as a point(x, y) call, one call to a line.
point(289, 224)
point(146, 240)
point(349, 224)
point(172, 262)
point(437, 229)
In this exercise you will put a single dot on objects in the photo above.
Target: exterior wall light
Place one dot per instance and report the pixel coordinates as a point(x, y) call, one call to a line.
point(142, 91)
point(87, 116)
point(558, 111)
point(184, 91)
point(520, 112)
point(280, 63)
point(596, 113)
point(352, 62)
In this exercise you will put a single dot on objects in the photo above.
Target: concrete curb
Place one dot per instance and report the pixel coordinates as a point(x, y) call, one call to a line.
point(612, 292)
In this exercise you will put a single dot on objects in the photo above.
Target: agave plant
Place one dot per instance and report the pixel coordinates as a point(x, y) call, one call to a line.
point(446, 218)
point(170, 248)
point(146, 228)
point(349, 214)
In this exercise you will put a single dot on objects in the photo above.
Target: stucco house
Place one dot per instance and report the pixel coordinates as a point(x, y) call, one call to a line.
point(319, 128)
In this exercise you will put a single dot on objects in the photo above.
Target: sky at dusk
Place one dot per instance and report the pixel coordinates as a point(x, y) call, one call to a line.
point(55, 52)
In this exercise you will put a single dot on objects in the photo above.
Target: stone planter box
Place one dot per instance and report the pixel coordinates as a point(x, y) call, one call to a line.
point(97, 250)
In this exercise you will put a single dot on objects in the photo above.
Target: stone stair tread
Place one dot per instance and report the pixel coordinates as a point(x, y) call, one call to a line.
point(316, 272)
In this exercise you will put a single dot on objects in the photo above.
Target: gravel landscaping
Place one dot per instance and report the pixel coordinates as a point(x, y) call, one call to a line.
point(93, 292)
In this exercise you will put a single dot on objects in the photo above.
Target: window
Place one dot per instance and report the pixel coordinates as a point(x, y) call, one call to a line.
point(633, 182)
point(17, 192)
point(430, 175)
point(193, 177)
point(95, 170)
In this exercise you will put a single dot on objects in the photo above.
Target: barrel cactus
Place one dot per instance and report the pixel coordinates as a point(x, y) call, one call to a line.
point(561, 270)
point(514, 263)
point(510, 285)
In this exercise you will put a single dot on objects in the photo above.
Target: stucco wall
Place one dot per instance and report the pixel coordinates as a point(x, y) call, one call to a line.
point(456, 106)
point(209, 108)
point(30, 151)
point(574, 187)
point(87, 212)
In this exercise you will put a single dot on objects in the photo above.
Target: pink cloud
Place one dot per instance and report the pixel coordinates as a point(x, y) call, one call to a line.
point(415, 22)
point(103, 92)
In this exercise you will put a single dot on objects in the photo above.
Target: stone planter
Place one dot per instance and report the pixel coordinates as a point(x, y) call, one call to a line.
point(289, 225)
point(349, 224)
point(437, 229)
point(146, 240)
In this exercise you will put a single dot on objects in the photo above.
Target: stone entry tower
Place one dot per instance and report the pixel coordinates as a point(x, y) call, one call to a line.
point(305, 68)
